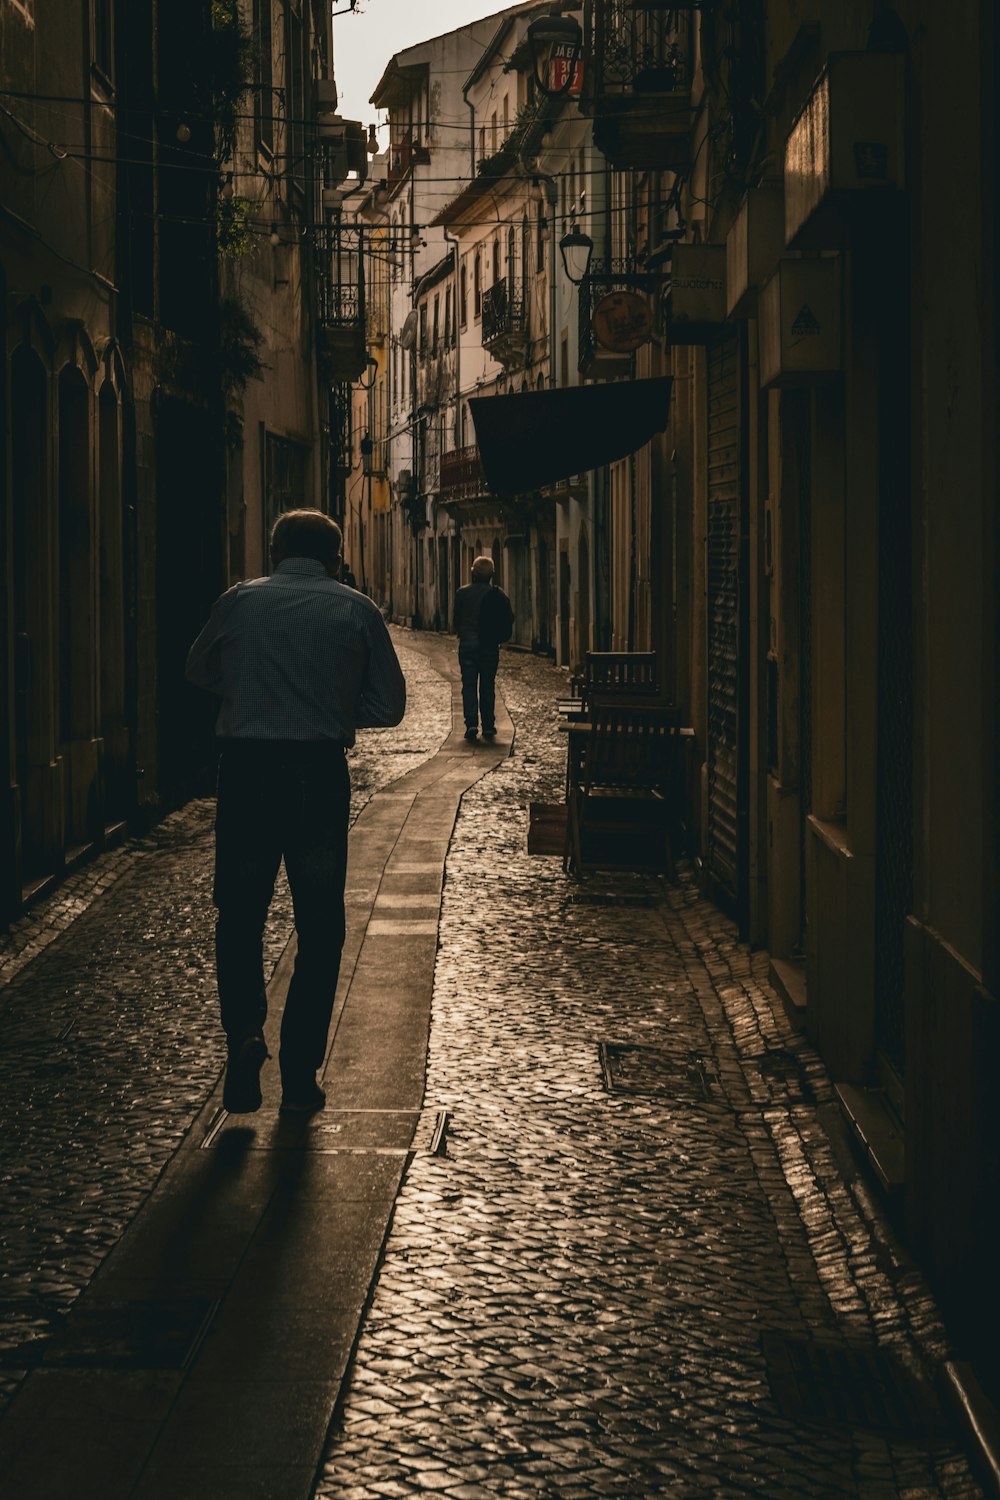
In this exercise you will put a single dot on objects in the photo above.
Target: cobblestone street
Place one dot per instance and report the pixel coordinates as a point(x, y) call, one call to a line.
point(109, 1034)
point(642, 1262)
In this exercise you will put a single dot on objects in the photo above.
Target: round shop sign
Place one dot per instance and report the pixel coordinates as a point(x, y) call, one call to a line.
point(622, 322)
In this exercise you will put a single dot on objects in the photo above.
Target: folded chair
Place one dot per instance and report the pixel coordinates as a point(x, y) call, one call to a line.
point(622, 801)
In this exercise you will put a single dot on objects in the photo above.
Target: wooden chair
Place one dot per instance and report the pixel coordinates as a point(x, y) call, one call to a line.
point(619, 673)
point(623, 795)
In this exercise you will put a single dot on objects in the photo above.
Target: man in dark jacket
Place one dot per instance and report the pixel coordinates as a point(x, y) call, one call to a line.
point(483, 619)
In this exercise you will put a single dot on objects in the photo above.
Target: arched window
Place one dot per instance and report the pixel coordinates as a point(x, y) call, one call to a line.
point(463, 294)
point(525, 248)
point(496, 261)
point(540, 240)
point(477, 284)
point(511, 259)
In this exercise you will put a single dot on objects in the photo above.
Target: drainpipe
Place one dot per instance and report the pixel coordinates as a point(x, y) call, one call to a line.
point(551, 191)
point(452, 240)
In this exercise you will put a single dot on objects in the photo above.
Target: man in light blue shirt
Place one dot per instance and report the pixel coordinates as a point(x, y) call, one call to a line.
point(300, 662)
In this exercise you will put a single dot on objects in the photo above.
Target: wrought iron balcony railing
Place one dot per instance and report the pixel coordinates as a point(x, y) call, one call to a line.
point(461, 474)
point(505, 321)
point(637, 82)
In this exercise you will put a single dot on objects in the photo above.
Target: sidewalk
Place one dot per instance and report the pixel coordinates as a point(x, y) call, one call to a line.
point(630, 1253)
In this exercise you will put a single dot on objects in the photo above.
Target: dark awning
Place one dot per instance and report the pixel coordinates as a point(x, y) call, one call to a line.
point(535, 438)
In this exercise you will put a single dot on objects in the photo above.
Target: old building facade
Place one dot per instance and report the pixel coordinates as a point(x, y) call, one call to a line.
point(165, 247)
point(824, 616)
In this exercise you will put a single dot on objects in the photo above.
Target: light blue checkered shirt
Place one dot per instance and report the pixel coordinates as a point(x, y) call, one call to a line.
point(298, 656)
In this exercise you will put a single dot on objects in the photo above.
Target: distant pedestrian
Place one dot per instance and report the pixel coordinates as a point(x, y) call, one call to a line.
point(300, 663)
point(483, 620)
point(347, 577)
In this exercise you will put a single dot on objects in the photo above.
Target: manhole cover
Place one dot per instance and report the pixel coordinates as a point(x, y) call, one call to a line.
point(850, 1385)
point(653, 1071)
point(142, 1335)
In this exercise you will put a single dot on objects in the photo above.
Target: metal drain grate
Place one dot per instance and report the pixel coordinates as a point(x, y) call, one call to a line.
point(850, 1385)
point(654, 1072)
point(143, 1335)
point(608, 899)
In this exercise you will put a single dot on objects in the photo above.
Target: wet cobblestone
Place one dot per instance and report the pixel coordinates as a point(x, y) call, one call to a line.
point(109, 1035)
point(572, 1300)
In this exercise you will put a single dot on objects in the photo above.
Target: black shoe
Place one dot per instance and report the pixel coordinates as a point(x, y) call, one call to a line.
point(472, 734)
point(241, 1091)
point(489, 734)
point(303, 1098)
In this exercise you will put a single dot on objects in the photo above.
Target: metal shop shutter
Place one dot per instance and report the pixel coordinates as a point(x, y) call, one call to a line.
point(725, 797)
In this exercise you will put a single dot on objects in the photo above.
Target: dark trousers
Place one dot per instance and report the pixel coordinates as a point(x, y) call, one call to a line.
point(281, 800)
point(478, 665)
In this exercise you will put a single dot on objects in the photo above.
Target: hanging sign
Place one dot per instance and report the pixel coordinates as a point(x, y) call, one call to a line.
point(622, 322)
point(565, 63)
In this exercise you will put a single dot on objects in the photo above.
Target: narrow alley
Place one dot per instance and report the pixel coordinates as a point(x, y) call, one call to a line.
point(581, 1217)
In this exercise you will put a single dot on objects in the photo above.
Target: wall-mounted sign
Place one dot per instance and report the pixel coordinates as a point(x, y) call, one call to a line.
point(622, 322)
point(798, 321)
point(849, 138)
point(697, 293)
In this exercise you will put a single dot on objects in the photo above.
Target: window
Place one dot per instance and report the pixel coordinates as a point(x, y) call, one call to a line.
point(295, 98)
point(285, 468)
point(263, 105)
point(436, 325)
point(447, 316)
point(496, 261)
point(423, 328)
point(525, 249)
point(540, 240)
point(477, 284)
point(506, 115)
point(511, 259)
point(493, 132)
point(482, 143)
point(463, 295)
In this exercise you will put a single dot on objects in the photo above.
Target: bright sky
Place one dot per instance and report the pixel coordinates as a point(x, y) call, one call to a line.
point(364, 41)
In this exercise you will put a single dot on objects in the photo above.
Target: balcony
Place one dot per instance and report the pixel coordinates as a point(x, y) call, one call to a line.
point(340, 330)
point(405, 153)
point(637, 84)
point(461, 475)
point(505, 322)
point(376, 322)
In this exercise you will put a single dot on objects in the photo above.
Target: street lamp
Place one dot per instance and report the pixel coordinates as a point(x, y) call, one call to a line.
point(576, 249)
point(554, 38)
point(371, 365)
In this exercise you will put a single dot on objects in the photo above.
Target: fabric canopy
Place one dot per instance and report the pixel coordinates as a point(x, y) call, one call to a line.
point(535, 438)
